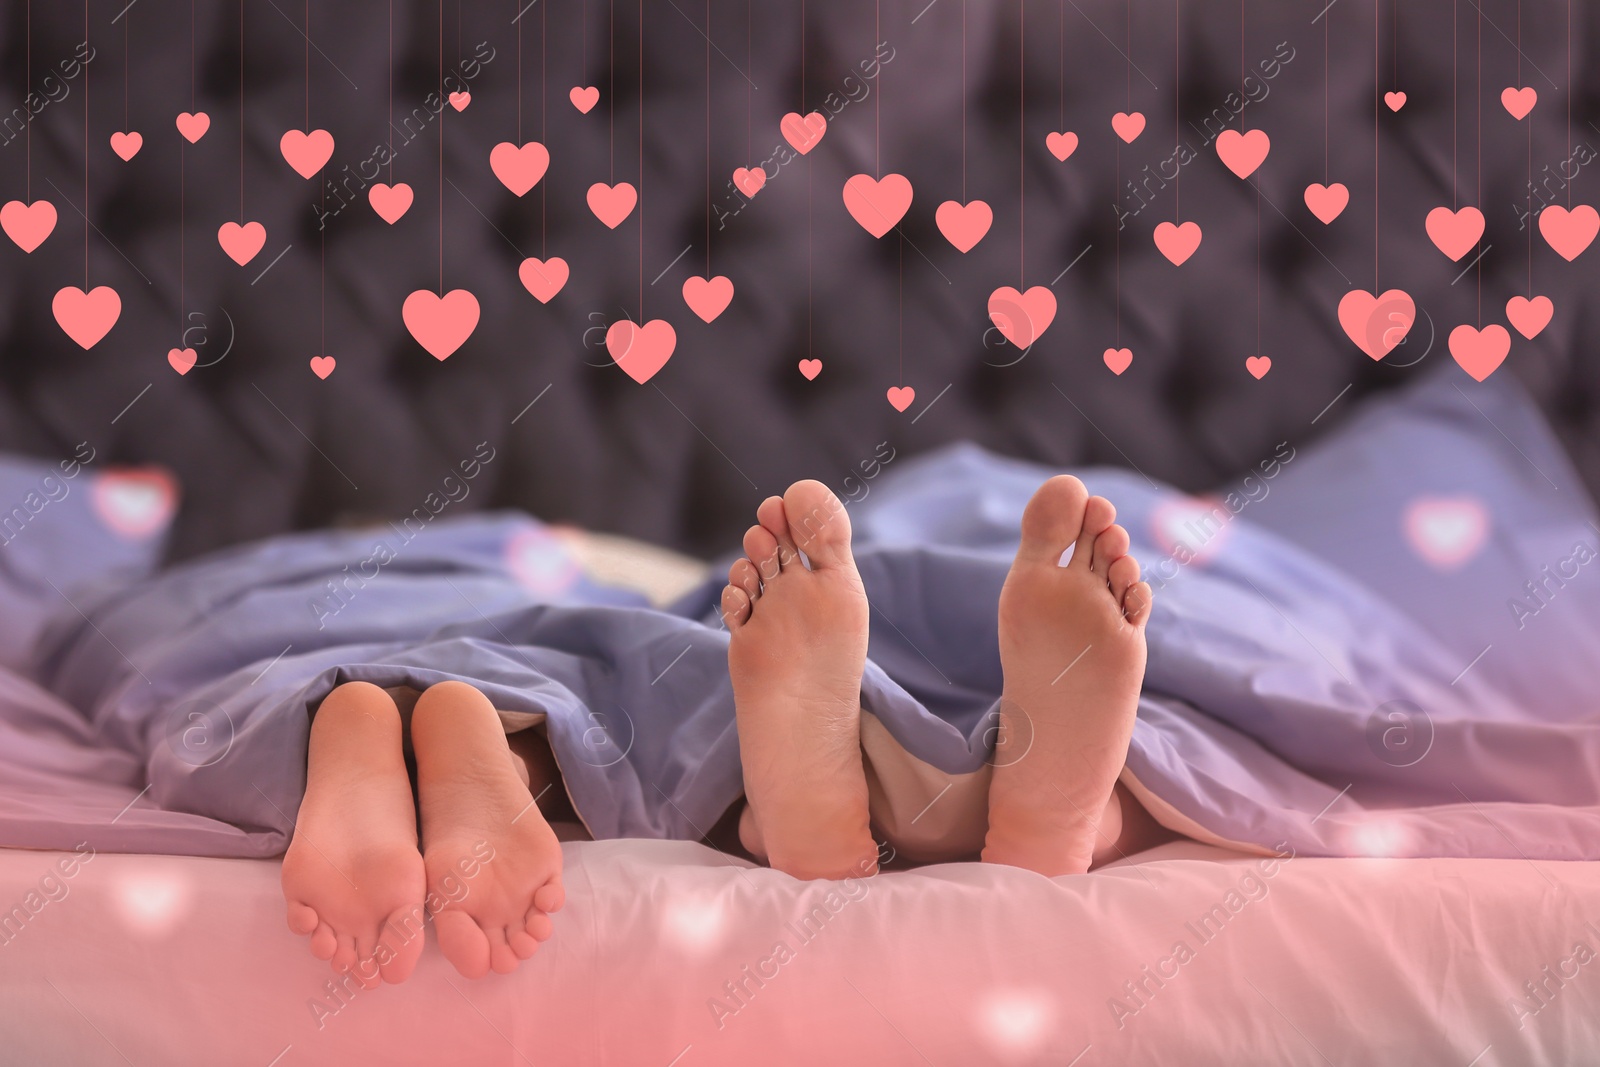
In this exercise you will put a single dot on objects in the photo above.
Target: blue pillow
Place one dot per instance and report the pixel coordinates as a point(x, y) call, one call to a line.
point(68, 527)
point(1454, 500)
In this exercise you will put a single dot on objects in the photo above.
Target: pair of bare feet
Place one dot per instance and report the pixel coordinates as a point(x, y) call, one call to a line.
point(487, 872)
point(1072, 649)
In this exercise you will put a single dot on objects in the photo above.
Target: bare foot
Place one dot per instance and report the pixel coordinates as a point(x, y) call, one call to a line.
point(1073, 651)
point(352, 877)
point(798, 647)
point(491, 857)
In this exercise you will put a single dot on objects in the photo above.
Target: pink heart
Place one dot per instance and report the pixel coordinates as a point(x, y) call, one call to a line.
point(901, 396)
point(182, 360)
point(1242, 153)
point(1396, 101)
point(1569, 232)
point(964, 226)
point(1446, 531)
point(127, 145)
point(1022, 317)
point(241, 242)
point(390, 201)
point(641, 350)
point(193, 127)
point(811, 368)
point(1258, 366)
point(1061, 145)
point(1480, 352)
point(322, 366)
point(1128, 126)
point(28, 224)
point(584, 97)
point(1177, 243)
point(306, 152)
point(1530, 317)
point(878, 205)
point(1519, 101)
point(1327, 202)
point(803, 133)
point(441, 324)
point(543, 277)
point(519, 169)
point(612, 203)
point(460, 100)
point(1377, 323)
point(749, 182)
point(135, 502)
point(708, 297)
point(1118, 359)
point(87, 317)
point(1455, 232)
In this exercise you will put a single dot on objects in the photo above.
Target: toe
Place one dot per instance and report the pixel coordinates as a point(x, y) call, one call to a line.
point(538, 925)
point(1098, 515)
point(403, 935)
point(1052, 520)
point(463, 943)
point(323, 942)
point(501, 958)
point(735, 606)
point(1123, 572)
point(818, 523)
point(302, 918)
point(1110, 546)
point(762, 548)
point(771, 515)
point(522, 943)
point(1136, 604)
point(550, 896)
point(344, 955)
point(743, 574)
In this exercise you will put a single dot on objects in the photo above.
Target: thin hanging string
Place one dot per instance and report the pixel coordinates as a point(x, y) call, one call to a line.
point(1061, 62)
point(86, 138)
point(1116, 148)
point(810, 187)
point(1325, 22)
point(519, 78)
point(708, 138)
point(27, 88)
point(1569, 99)
point(1022, 143)
point(1242, 95)
point(322, 197)
point(1529, 223)
point(1455, 101)
point(544, 120)
point(1478, 183)
point(963, 101)
point(307, 59)
point(749, 92)
point(641, 161)
point(611, 88)
point(241, 111)
point(1395, 47)
point(441, 147)
point(877, 100)
point(1375, 94)
point(391, 89)
point(1177, 65)
point(127, 18)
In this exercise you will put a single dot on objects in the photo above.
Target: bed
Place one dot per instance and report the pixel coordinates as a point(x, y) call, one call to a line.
point(181, 960)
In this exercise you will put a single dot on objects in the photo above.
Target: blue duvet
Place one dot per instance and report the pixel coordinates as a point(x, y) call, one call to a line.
point(1383, 643)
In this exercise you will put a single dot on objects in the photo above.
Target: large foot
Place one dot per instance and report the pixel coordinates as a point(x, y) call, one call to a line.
point(492, 860)
point(798, 647)
point(353, 878)
point(1073, 651)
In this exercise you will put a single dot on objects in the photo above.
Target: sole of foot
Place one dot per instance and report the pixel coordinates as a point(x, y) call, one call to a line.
point(1072, 646)
point(797, 650)
point(353, 878)
point(493, 864)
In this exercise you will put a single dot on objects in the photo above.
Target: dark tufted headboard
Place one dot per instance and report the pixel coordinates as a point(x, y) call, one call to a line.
point(262, 444)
